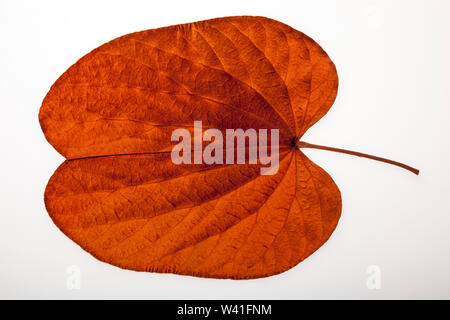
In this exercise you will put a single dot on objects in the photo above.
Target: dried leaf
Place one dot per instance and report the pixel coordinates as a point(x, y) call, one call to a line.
point(121, 198)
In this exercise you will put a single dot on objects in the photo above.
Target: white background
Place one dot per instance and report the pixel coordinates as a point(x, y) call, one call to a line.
point(394, 101)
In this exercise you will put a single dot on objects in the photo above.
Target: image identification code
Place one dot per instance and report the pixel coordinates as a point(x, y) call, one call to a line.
point(225, 309)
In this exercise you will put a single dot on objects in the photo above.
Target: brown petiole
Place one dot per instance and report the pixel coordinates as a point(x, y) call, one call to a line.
point(303, 144)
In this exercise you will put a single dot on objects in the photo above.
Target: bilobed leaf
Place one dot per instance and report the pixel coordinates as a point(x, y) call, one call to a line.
point(121, 198)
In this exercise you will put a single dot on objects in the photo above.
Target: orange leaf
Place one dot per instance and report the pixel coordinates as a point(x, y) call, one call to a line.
point(120, 196)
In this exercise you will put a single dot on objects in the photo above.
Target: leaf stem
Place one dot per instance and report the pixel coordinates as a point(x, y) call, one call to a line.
point(303, 144)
